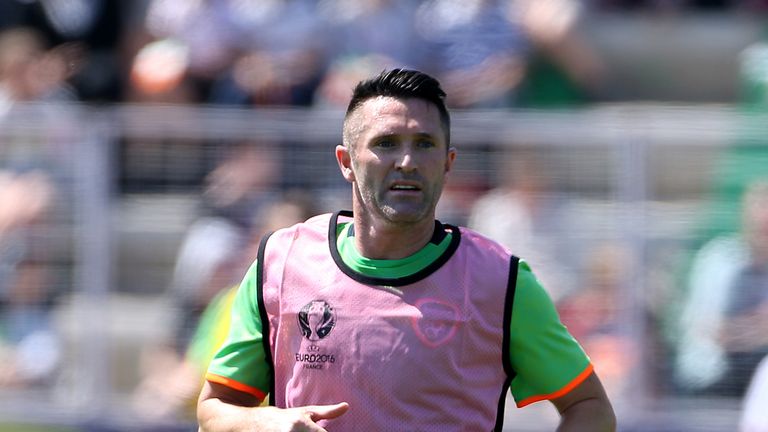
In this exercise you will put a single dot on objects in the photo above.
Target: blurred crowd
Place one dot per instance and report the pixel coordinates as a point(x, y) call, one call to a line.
point(488, 53)
point(287, 52)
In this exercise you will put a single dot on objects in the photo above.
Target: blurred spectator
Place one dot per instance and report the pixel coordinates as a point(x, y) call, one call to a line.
point(87, 33)
point(725, 318)
point(245, 52)
point(235, 193)
point(475, 51)
point(754, 416)
point(594, 315)
point(30, 72)
point(744, 159)
point(30, 349)
point(172, 381)
point(282, 54)
point(373, 27)
point(159, 73)
point(200, 30)
point(562, 68)
point(523, 214)
point(487, 51)
point(367, 36)
point(730, 255)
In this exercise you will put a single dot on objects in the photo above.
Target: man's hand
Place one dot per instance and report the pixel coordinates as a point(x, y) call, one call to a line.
point(301, 419)
point(221, 408)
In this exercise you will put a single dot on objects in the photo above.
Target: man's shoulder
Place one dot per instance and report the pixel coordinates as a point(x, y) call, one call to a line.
point(483, 245)
point(321, 219)
point(314, 223)
point(489, 246)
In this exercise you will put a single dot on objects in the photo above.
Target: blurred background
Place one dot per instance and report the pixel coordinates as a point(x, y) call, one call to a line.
point(620, 146)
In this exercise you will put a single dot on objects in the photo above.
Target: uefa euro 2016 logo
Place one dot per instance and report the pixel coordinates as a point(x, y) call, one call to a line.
point(316, 320)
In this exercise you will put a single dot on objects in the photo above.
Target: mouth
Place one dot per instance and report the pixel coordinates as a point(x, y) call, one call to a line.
point(405, 187)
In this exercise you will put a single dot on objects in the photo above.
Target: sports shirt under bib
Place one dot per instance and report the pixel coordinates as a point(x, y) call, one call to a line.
point(429, 342)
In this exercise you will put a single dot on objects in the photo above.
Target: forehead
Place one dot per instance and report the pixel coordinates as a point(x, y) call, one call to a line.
point(391, 115)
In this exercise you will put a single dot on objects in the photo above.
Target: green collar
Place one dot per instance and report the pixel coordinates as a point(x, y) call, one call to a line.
point(392, 272)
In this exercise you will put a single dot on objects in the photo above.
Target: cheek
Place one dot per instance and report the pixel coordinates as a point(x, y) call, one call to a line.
point(439, 171)
point(368, 167)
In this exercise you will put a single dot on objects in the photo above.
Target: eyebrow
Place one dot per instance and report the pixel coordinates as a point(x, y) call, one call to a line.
point(417, 135)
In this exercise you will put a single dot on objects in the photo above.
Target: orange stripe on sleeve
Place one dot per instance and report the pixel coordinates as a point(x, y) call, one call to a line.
point(563, 391)
point(218, 379)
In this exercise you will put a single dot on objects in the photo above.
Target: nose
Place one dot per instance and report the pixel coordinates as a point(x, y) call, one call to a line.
point(405, 160)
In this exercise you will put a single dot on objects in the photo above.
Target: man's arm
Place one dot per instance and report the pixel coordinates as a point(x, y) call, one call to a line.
point(221, 408)
point(586, 408)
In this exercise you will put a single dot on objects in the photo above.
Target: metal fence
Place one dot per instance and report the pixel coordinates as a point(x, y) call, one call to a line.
point(623, 195)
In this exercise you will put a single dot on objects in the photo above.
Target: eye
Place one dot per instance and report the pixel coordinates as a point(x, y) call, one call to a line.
point(385, 143)
point(425, 143)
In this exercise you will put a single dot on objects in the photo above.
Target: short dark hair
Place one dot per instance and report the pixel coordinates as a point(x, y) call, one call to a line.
point(403, 83)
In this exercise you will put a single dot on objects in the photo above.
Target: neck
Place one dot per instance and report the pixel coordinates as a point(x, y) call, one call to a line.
point(380, 239)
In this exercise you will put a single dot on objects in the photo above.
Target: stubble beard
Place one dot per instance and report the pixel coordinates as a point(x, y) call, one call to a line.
point(399, 212)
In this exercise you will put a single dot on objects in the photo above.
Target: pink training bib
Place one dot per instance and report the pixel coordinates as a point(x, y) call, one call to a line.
point(418, 357)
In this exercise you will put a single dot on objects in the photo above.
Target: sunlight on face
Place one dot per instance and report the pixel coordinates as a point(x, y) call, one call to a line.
point(399, 159)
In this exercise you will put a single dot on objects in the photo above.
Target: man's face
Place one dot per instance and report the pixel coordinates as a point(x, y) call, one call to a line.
point(397, 159)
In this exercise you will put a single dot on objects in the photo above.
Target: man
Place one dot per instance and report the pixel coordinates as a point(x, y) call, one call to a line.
point(725, 313)
point(386, 319)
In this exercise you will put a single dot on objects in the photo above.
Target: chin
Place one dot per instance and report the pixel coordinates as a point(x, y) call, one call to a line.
point(405, 215)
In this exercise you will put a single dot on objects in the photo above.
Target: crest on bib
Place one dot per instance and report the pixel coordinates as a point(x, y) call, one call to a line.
point(438, 322)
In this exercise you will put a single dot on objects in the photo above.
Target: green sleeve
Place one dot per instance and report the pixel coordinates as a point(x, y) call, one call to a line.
point(548, 362)
point(241, 362)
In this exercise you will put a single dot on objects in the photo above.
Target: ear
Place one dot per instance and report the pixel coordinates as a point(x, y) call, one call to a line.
point(449, 160)
point(344, 159)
